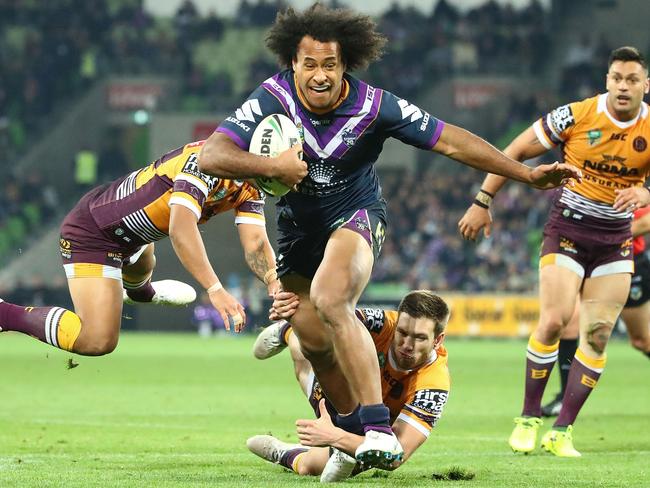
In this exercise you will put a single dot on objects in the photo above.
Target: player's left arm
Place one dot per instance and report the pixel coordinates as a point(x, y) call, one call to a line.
point(467, 148)
point(259, 254)
point(189, 247)
point(409, 437)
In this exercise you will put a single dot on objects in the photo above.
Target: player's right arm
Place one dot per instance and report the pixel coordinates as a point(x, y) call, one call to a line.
point(225, 153)
point(188, 245)
point(220, 156)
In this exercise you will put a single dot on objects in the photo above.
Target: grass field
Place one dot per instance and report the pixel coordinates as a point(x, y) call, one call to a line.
point(176, 410)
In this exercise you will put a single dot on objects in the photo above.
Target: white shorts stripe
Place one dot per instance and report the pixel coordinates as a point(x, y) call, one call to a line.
point(616, 267)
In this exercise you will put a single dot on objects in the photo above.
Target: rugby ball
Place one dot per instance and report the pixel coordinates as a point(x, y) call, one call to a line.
point(275, 134)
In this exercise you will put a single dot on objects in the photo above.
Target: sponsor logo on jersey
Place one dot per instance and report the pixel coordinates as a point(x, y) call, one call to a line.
point(635, 292)
point(191, 167)
point(562, 118)
point(248, 111)
point(381, 357)
point(425, 122)
point(639, 144)
point(409, 110)
point(611, 164)
point(618, 137)
point(594, 136)
point(430, 401)
point(396, 386)
point(238, 123)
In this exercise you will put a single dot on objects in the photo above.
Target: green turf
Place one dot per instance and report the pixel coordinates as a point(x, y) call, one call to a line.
point(175, 410)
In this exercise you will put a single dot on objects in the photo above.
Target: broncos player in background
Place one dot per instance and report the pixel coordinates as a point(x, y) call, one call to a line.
point(587, 246)
point(332, 228)
point(635, 314)
point(107, 245)
point(414, 379)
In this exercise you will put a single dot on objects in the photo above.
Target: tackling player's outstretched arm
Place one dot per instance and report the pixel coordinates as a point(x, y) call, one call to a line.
point(187, 243)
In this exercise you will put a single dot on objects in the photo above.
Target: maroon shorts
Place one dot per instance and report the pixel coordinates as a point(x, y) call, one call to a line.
point(587, 245)
point(84, 242)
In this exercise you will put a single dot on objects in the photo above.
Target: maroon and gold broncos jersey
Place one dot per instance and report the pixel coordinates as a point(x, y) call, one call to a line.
point(415, 396)
point(136, 208)
point(611, 154)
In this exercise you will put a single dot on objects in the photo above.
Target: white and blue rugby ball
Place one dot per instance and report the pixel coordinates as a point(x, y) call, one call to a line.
point(275, 134)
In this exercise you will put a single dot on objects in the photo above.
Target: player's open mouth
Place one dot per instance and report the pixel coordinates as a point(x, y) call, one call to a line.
point(623, 98)
point(320, 89)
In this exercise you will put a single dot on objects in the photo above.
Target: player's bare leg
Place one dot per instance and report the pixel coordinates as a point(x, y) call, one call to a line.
point(559, 289)
point(337, 285)
point(98, 304)
point(316, 346)
point(93, 327)
point(566, 351)
point(603, 298)
point(637, 321)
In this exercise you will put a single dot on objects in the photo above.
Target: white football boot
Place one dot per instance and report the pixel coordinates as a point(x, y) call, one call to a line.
point(168, 292)
point(269, 342)
point(269, 448)
point(379, 450)
point(338, 468)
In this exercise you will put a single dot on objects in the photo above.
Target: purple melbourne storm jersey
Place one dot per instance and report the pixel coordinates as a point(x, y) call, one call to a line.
point(339, 147)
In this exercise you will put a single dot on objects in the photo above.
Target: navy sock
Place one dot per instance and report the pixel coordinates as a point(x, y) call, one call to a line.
point(375, 417)
point(351, 422)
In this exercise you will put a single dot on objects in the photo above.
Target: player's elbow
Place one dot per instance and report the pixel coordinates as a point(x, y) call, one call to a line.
point(210, 157)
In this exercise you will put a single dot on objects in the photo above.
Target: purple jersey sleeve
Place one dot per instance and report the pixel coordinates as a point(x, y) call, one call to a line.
point(241, 124)
point(409, 123)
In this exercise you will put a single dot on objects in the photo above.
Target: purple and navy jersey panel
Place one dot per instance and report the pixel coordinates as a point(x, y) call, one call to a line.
point(340, 147)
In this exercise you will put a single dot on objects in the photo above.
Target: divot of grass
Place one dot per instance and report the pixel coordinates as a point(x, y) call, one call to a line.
point(455, 473)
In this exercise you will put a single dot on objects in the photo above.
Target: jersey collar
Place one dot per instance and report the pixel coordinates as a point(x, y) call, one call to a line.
point(602, 107)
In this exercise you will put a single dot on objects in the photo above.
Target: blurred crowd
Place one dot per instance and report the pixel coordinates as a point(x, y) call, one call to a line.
point(423, 247)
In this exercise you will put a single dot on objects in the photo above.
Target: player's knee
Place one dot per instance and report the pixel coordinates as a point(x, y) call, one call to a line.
point(98, 346)
point(331, 306)
point(598, 333)
point(552, 324)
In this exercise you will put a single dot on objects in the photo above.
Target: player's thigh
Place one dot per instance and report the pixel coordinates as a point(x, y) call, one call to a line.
point(344, 271)
point(141, 263)
point(307, 325)
point(558, 293)
point(98, 303)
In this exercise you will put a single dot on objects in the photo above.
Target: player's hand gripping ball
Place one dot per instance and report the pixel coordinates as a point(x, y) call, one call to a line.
point(275, 134)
